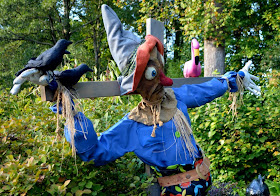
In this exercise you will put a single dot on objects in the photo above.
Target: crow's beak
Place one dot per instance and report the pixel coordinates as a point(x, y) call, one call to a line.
point(69, 42)
point(164, 80)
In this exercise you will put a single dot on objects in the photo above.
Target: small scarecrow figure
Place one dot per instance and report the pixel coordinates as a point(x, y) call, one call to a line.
point(158, 130)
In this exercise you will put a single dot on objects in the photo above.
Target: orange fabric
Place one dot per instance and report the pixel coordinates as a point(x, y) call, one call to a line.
point(143, 56)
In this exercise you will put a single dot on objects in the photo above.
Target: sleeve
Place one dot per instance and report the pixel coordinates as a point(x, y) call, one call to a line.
point(195, 95)
point(112, 144)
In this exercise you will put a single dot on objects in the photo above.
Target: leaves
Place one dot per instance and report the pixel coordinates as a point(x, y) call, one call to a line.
point(245, 145)
point(35, 162)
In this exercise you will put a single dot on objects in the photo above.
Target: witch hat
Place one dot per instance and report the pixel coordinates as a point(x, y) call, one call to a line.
point(130, 53)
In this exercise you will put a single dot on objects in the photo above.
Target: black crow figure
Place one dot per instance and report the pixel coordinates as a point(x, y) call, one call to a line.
point(49, 59)
point(70, 77)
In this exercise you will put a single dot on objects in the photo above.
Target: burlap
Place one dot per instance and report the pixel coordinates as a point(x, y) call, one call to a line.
point(161, 111)
point(164, 110)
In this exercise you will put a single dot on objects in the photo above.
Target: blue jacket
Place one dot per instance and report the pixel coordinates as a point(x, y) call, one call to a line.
point(130, 136)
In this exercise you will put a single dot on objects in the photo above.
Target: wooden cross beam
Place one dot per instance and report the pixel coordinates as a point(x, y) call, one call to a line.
point(111, 88)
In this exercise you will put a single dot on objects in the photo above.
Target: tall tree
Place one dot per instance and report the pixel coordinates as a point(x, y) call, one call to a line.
point(28, 27)
point(214, 52)
point(243, 28)
point(42, 22)
point(94, 35)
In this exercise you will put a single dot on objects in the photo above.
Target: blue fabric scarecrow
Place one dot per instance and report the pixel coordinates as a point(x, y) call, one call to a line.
point(158, 130)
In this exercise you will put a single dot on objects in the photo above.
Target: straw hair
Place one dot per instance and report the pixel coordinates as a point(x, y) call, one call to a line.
point(182, 125)
point(237, 97)
point(180, 121)
point(69, 110)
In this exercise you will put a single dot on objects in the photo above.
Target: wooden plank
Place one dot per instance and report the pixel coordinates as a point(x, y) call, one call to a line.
point(111, 88)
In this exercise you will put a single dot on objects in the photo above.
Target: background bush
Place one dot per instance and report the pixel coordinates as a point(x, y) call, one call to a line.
point(37, 161)
point(240, 148)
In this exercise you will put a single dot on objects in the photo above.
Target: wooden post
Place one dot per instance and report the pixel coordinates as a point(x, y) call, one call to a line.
point(155, 28)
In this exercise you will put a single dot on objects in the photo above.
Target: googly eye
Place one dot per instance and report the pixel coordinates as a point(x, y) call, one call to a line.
point(150, 73)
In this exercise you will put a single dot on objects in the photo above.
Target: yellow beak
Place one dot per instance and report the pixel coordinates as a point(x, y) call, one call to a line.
point(196, 52)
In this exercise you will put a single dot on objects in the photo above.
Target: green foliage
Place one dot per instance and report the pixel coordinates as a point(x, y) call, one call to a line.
point(273, 187)
point(248, 29)
point(244, 146)
point(37, 161)
point(174, 67)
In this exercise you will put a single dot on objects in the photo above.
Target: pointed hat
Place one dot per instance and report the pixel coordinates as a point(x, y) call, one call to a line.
point(130, 53)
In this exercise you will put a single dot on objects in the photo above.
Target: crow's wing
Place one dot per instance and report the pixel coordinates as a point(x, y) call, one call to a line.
point(31, 64)
point(52, 59)
point(67, 74)
point(34, 63)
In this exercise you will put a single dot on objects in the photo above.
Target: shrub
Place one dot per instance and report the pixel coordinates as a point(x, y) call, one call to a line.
point(242, 147)
point(35, 160)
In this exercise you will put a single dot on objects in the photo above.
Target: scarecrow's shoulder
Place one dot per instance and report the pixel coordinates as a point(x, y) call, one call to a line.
point(124, 124)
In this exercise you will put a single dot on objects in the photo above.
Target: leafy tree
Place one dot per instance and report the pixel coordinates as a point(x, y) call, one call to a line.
point(245, 28)
point(30, 27)
point(93, 33)
point(41, 22)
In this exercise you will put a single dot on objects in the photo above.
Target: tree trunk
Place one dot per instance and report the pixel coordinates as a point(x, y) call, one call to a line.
point(178, 40)
point(96, 51)
point(214, 58)
point(54, 39)
point(66, 19)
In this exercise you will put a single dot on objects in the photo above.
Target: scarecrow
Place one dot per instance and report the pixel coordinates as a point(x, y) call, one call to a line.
point(158, 130)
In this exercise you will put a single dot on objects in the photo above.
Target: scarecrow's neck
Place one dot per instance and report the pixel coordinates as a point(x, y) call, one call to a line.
point(154, 97)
